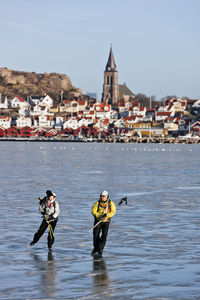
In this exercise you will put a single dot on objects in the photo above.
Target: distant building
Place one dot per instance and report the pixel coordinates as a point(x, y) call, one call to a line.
point(5, 122)
point(110, 87)
point(17, 102)
point(112, 91)
point(3, 104)
point(125, 93)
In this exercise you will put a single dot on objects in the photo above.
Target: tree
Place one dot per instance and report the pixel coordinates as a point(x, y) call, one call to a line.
point(146, 101)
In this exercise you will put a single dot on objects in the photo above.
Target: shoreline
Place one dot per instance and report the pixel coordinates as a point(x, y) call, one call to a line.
point(136, 140)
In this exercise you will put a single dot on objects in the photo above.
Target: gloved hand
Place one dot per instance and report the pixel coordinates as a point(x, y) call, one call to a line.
point(51, 218)
point(102, 217)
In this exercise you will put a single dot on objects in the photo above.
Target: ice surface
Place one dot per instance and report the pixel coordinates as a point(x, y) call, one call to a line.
point(152, 251)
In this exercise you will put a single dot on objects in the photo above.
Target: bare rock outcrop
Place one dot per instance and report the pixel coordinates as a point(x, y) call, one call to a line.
point(24, 84)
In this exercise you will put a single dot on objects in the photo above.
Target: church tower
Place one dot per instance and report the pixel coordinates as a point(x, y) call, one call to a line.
point(110, 87)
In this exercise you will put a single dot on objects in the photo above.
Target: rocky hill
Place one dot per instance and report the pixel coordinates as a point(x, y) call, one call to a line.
point(24, 84)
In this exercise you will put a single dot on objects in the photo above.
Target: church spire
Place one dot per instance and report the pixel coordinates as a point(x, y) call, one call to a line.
point(111, 66)
point(110, 93)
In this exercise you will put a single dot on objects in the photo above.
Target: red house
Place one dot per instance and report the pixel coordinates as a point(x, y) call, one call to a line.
point(39, 132)
point(2, 132)
point(196, 127)
point(66, 131)
point(51, 133)
point(12, 131)
point(26, 131)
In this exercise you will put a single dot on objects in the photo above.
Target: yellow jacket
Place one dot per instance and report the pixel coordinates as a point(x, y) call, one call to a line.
point(99, 209)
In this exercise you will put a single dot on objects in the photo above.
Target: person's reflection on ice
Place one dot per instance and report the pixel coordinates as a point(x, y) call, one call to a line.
point(100, 278)
point(47, 273)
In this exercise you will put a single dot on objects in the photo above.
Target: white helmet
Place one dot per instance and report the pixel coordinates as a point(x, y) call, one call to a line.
point(104, 193)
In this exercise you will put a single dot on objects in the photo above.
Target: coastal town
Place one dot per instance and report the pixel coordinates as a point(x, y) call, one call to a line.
point(118, 117)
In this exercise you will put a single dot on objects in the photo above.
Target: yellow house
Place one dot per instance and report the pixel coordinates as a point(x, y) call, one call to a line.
point(171, 126)
point(54, 109)
point(179, 105)
point(147, 129)
point(73, 107)
point(82, 104)
point(137, 126)
point(62, 108)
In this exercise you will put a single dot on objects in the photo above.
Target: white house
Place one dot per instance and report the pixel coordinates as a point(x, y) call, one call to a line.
point(46, 101)
point(5, 121)
point(174, 104)
point(38, 110)
point(162, 115)
point(196, 104)
point(131, 120)
point(24, 110)
point(71, 123)
point(18, 102)
point(44, 121)
point(3, 104)
point(23, 121)
point(137, 111)
point(179, 104)
point(83, 122)
point(102, 110)
point(89, 113)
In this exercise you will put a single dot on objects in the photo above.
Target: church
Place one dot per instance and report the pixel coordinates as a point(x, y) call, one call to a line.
point(113, 92)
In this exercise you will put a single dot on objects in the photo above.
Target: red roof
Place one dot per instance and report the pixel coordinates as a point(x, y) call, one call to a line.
point(134, 103)
point(20, 99)
point(163, 113)
point(81, 102)
point(105, 121)
point(131, 118)
point(102, 107)
point(5, 117)
point(67, 101)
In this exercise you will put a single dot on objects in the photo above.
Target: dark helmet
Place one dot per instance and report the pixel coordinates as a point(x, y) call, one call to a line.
point(49, 193)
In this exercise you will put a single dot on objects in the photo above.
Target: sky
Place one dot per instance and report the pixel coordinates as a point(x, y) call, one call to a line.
point(155, 43)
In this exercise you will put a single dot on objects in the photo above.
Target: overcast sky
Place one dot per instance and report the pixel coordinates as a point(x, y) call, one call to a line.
point(156, 43)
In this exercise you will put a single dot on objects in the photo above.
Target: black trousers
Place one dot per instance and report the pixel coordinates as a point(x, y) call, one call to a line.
point(41, 230)
point(100, 233)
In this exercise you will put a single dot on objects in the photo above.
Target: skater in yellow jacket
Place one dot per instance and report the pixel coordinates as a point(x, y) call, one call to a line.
point(102, 211)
